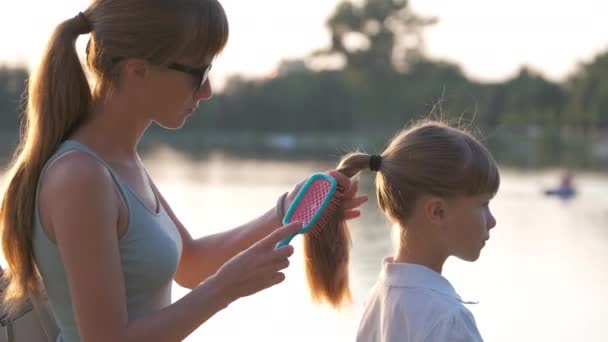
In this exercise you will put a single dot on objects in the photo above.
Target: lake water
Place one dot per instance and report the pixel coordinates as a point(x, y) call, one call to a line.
point(543, 275)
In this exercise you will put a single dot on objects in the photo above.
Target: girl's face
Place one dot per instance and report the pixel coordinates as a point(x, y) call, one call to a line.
point(467, 225)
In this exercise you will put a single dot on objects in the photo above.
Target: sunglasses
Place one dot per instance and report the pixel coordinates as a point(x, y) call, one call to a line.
point(199, 75)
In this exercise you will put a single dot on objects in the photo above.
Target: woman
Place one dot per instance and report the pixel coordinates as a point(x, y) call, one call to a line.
point(80, 214)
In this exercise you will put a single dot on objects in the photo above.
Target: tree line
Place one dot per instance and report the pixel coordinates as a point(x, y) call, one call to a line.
point(381, 79)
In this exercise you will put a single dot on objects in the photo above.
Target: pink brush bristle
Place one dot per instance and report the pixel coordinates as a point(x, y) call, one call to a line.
point(312, 202)
point(330, 211)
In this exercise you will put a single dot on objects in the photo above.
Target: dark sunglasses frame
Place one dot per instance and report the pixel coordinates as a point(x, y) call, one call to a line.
point(200, 75)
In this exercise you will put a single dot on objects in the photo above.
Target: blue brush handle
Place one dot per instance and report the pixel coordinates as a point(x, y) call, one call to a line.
point(296, 202)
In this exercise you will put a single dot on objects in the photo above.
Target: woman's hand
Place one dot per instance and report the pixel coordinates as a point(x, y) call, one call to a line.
point(258, 267)
point(351, 201)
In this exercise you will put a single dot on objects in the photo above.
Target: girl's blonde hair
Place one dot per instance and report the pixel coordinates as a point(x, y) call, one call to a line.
point(60, 99)
point(428, 158)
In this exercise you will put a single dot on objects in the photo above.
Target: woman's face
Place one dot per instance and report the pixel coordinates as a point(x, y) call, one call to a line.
point(174, 94)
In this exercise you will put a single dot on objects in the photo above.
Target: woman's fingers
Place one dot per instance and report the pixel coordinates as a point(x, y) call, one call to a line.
point(351, 191)
point(264, 282)
point(351, 214)
point(252, 278)
point(279, 234)
point(351, 185)
point(355, 202)
point(282, 252)
point(276, 279)
point(351, 200)
point(269, 274)
point(341, 178)
point(281, 265)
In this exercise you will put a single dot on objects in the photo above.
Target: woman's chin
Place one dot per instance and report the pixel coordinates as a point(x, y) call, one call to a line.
point(173, 125)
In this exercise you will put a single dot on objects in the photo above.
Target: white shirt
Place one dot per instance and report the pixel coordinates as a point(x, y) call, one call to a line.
point(412, 303)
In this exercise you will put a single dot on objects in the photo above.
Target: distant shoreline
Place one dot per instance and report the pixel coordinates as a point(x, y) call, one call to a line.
point(510, 149)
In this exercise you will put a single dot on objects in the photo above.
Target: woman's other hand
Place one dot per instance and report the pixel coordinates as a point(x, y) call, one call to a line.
point(258, 267)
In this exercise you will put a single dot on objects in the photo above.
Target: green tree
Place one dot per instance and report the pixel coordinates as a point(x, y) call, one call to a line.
point(12, 86)
point(587, 108)
point(380, 36)
point(528, 98)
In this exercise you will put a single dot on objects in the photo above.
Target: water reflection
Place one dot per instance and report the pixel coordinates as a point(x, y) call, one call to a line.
point(541, 277)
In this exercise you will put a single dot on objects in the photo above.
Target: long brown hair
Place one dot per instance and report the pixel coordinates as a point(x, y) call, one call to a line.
point(430, 157)
point(327, 256)
point(60, 98)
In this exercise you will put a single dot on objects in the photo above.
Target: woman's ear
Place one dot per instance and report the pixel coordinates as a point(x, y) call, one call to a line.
point(135, 68)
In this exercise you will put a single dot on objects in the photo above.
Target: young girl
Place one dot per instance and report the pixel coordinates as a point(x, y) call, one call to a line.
point(435, 183)
point(81, 220)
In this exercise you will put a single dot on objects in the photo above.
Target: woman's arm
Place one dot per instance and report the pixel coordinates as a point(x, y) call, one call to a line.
point(253, 270)
point(84, 225)
point(202, 257)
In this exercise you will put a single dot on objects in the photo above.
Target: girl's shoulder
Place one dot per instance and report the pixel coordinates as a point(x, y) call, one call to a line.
point(457, 324)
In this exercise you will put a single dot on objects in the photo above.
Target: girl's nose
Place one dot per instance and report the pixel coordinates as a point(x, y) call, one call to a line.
point(491, 221)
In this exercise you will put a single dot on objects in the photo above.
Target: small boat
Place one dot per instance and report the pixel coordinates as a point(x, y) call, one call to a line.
point(562, 192)
point(565, 189)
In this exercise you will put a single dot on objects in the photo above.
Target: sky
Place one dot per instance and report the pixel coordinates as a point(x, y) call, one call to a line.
point(489, 39)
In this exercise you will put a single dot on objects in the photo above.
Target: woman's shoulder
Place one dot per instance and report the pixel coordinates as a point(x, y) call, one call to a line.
point(76, 180)
point(75, 170)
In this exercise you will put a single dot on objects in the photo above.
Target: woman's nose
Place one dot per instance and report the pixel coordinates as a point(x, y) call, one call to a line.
point(204, 92)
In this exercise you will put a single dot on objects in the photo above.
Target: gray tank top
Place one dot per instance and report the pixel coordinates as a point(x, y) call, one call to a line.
point(149, 252)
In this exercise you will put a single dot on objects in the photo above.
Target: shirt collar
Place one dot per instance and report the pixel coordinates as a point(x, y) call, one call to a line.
point(414, 275)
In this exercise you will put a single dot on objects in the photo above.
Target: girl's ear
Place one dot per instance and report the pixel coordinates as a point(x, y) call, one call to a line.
point(434, 209)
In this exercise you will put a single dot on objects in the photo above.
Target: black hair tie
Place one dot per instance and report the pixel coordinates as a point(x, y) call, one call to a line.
point(374, 162)
point(85, 21)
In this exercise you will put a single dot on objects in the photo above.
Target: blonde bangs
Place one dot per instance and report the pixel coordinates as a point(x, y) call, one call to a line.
point(206, 36)
point(481, 175)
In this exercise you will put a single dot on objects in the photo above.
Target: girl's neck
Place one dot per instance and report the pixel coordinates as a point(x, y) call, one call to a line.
point(432, 263)
point(421, 250)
